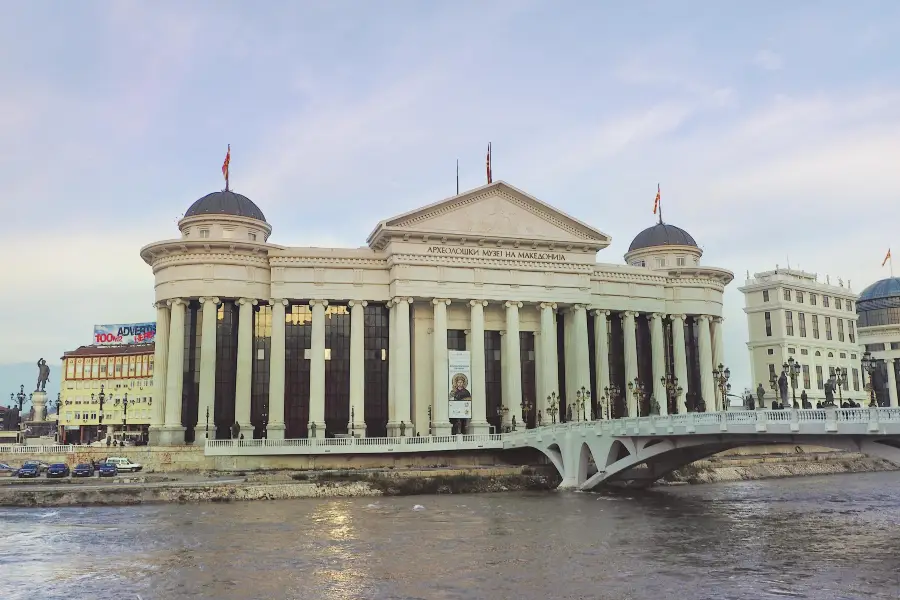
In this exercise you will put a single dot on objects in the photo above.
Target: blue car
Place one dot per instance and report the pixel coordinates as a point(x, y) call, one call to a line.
point(107, 470)
point(28, 471)
point(58, 470)
point(83, 470)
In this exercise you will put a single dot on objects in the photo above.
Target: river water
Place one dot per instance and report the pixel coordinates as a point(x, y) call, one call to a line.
point(821, 538)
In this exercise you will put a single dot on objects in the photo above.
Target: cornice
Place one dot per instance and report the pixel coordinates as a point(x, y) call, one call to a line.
point(210, 259)
point(205, 247)
point(423, 259)
point(322, 261)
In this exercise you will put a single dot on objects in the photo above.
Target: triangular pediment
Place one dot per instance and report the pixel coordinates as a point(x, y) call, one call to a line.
point(498, 210)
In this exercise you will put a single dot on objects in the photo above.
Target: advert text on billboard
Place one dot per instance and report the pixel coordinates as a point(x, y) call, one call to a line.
point(130, 333)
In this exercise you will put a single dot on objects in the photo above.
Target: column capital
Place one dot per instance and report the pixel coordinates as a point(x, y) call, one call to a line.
point(443, 301)
point(400, 299)
point(476, 302)
point(175, 302)
point(214, 300)
point(598, 312)
point(627, 314)
point(718, 320)
point(512, 303)
point(679, 317)
point(706, 318)
point(274, 301)
point(250, 301)
point(577, 307)
point(363, 303)
point(890, 360)
point(318, 303)
point(654, 316)
point(467, 331)
point(161, 304)
point(545, 305)
point(502, 332)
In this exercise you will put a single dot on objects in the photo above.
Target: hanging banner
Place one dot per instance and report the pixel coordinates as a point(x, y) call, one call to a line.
point(460, 375)
point(132, 333)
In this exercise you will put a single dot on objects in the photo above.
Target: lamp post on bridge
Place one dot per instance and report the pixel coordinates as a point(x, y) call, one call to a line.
point(773, 383)
point(207, 422)
point(526, 407)
point(609, 394)
point(673, 391)
point(637, 390)
point(582, 398)
point(869, 365)
point(552, 406)
point(792, 369)
point(840, 378)
point(501, 412)
point(721, 375)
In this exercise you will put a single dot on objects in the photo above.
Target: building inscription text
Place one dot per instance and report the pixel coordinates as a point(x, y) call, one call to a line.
point(491, 253)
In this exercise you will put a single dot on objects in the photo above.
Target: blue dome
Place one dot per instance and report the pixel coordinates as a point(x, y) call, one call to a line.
point(661, 234)
point(886, 288)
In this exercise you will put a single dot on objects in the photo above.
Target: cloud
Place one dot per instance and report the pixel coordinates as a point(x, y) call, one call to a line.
point(768, 60)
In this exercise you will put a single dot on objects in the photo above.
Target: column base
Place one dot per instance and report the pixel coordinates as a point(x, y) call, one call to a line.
point(476, 428)
point(401, 429)
point(275, 431)
point(357, 429)
point(246, 430)
point(317, 432)
point(167, 435)
point(445, 428)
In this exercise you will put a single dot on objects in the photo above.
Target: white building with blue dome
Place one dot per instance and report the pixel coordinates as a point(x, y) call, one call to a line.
point(879, 332)
point(292, 341)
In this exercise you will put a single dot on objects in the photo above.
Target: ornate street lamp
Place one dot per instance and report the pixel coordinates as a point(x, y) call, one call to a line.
point(792, 369)
point(610, 393)
point(773, 383)
point(21, 397)
point(501, 412)
point(429, 420)
point(352, 419)
point(869, 364)
point(840, 378)
point(207, 422)
point(582, 398)
point(526, 407)
point(673, 391)
point(721, 375)
point(125, 416)
point(637, 390)
point(553, 406)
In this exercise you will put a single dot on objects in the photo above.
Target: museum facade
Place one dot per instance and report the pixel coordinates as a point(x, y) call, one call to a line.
point(292, 342)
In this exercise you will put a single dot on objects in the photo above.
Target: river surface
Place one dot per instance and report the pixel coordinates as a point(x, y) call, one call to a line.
point(822, 538)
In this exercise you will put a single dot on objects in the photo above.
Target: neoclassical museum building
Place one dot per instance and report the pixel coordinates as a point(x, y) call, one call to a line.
point(293, 342)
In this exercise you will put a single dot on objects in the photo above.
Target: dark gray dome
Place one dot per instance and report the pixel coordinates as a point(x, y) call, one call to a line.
point(662, 234)
point(880, 290)
point(225, 203)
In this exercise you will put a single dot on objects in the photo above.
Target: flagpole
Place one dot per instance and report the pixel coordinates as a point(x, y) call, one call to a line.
point(457, 177)
point(891, 262)
point(660, 203)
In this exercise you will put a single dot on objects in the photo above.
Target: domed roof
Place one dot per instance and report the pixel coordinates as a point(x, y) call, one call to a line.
point(886, 288)
point(225, 203)
point(662, 234)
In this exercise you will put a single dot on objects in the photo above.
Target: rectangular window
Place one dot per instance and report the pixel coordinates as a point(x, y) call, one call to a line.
point(204, 233)
point(820, 380)
point(680, 261)
point(849, 305)
point(772, 375)
point(252, 237)
point(855, 380)
point(802, 318)
point(769, 324)
point(789, 322)
point(840, 323)
point(815, 324)
point(827, 328)
point(804, 351)
point(103, 367)
point(660, 262)
point(805, 377)
point(850, 331)
point(792, 351)
point(799, 297)
point(787, 294)
point(812, 299)
point(826, 300)
point(837, 303)
point(765, 295)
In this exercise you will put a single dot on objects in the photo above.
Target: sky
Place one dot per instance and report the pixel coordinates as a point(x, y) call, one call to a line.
point(773, 129)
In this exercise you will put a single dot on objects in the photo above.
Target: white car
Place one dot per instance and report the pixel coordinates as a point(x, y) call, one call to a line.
point(124, 464)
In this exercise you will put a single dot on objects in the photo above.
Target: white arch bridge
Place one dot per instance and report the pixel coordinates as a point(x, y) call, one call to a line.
point(636, 452)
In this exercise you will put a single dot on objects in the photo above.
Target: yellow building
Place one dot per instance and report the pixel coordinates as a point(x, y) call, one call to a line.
point(117, 374)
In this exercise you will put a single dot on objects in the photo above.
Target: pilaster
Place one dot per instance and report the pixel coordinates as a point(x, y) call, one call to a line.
point(207, 393)
point(475, 345)
point(357, 423)
point(440, 396)
point(244, 375)
point(172, 432)
point(275, 428)
point(402, 380)
point(512, 385)
point(631, 364)
point(707, 385)
point(601, 346)
point(160, 369)
point(316, 424)
point(679, 352)
point(658, 362)
point(549, 359)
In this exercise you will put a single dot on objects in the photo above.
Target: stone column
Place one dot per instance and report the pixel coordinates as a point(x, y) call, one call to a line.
point(679, 354)
point(440, 395)
point(582, 362)
point(475, 344)
point(357, 423)
point(549, 363)
point(160, 364)
point(275, 428)
point(316, 425)
point(601, 347)
point(173, 430)
point(392, 364)
point(512, 386)
point(707, 385)
point(631, 365)
point(657, 345)
point(244, 376)
point(718, 348)
point(892, 382)
point(207, 402)
point(402, 383)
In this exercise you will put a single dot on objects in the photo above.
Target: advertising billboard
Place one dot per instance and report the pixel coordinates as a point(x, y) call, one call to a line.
point(460, 373)
point(129, 333)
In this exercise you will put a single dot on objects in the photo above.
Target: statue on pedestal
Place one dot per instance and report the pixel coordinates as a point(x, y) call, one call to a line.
point(829, 392)
point(43, 375)
point(783, 389)
point(760, 396)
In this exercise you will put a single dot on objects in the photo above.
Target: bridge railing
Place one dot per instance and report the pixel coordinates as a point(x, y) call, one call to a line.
point(55, 449)
point(355, 445)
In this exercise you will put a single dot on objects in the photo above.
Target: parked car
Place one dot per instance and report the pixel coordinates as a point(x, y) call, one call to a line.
point(7, 471)
point(124, 464)
point(83, 470)
point(107, 469)
point(28, 471)
point(41, 465)
point(57, 470)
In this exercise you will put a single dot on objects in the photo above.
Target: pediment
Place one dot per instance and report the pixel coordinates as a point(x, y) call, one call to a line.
point(495, 211)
